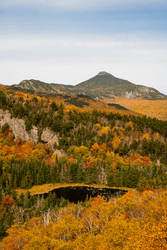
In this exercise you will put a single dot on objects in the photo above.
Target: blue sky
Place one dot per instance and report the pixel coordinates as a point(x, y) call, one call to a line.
point(71, 41)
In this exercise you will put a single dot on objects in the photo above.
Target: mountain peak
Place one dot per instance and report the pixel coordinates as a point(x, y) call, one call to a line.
point(103, 73)
point(101, 86)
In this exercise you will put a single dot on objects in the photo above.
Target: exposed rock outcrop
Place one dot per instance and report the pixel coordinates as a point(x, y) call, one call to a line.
point(19, 129)
point(49, 136)
point(58, 152)
point(131, 94)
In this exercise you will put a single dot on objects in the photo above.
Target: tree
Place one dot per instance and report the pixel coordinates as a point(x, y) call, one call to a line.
point(7, 202)
point(28, 124)
point(95, 148)
point(115, 143)
point(5, 127)
point(54, 106)
point(132, 177)
point(3, 100)
point(57, 125)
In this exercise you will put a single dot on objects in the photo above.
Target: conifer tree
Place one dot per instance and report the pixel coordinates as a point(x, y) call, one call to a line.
point(132, 178)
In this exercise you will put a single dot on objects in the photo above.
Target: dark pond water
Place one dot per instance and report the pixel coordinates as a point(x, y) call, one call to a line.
point(81, 193)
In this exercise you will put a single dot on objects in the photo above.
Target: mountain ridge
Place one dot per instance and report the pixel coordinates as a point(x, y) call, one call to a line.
point(102, 86)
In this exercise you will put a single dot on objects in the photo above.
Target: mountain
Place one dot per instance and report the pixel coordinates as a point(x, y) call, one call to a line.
point(101, 86)
point(105, 85)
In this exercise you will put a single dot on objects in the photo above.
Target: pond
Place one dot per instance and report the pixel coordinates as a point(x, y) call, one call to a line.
point(81, 193)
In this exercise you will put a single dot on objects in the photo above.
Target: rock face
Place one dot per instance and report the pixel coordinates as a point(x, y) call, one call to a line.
point(19, 129)
point(131, 94)
point(80, 193)
point(49, 136)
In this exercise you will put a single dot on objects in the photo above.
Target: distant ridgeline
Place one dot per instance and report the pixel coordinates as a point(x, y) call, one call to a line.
point(101, 86)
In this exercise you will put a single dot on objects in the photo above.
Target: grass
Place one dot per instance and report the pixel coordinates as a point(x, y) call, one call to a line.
point(46, 188)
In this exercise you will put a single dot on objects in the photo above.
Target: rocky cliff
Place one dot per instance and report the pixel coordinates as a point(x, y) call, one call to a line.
point(19, 129)
point(49, 136)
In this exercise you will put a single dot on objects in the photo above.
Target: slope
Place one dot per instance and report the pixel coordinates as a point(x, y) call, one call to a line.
point(101, 86)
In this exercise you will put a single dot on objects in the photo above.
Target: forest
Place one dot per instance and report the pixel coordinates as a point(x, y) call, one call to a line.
point(101, 146)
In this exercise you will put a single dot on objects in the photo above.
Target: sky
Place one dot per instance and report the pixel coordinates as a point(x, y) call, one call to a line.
point(71, 41)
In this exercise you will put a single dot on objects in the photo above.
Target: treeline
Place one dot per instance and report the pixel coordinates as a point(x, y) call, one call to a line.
point(24, 175)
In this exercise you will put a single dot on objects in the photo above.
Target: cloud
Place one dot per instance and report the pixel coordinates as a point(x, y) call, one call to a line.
point(72, 59)
point(82, 5)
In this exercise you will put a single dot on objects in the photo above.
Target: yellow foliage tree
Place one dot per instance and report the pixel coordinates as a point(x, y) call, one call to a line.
point(115, 143)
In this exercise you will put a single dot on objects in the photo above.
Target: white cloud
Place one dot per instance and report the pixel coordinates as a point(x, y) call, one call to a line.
point(82, 5)
point(76, 58)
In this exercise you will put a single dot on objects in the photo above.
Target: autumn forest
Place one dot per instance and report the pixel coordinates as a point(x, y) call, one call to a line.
point(98, 145)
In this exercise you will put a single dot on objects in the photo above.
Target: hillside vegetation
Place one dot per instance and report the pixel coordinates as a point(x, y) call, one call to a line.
point(102, 146)
point(156, 108)
point(135, 221)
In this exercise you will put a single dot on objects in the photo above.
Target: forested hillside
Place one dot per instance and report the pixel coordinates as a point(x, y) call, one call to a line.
point(156, 108)
point(101, 146)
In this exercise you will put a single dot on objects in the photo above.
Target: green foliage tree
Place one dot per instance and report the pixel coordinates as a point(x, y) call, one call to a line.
point(54, 106)
point(28, 124)
point(5, 127)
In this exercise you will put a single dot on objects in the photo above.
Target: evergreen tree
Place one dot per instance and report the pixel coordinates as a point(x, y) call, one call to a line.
point(5, 127)
point(133, 177)
point(111, 179)
point(20, 200)
point(80, 173)
point(46, 205)
point(142, 183)
point(37, 212)
point(73, 172)
point(2, 231)
point(54, 106)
